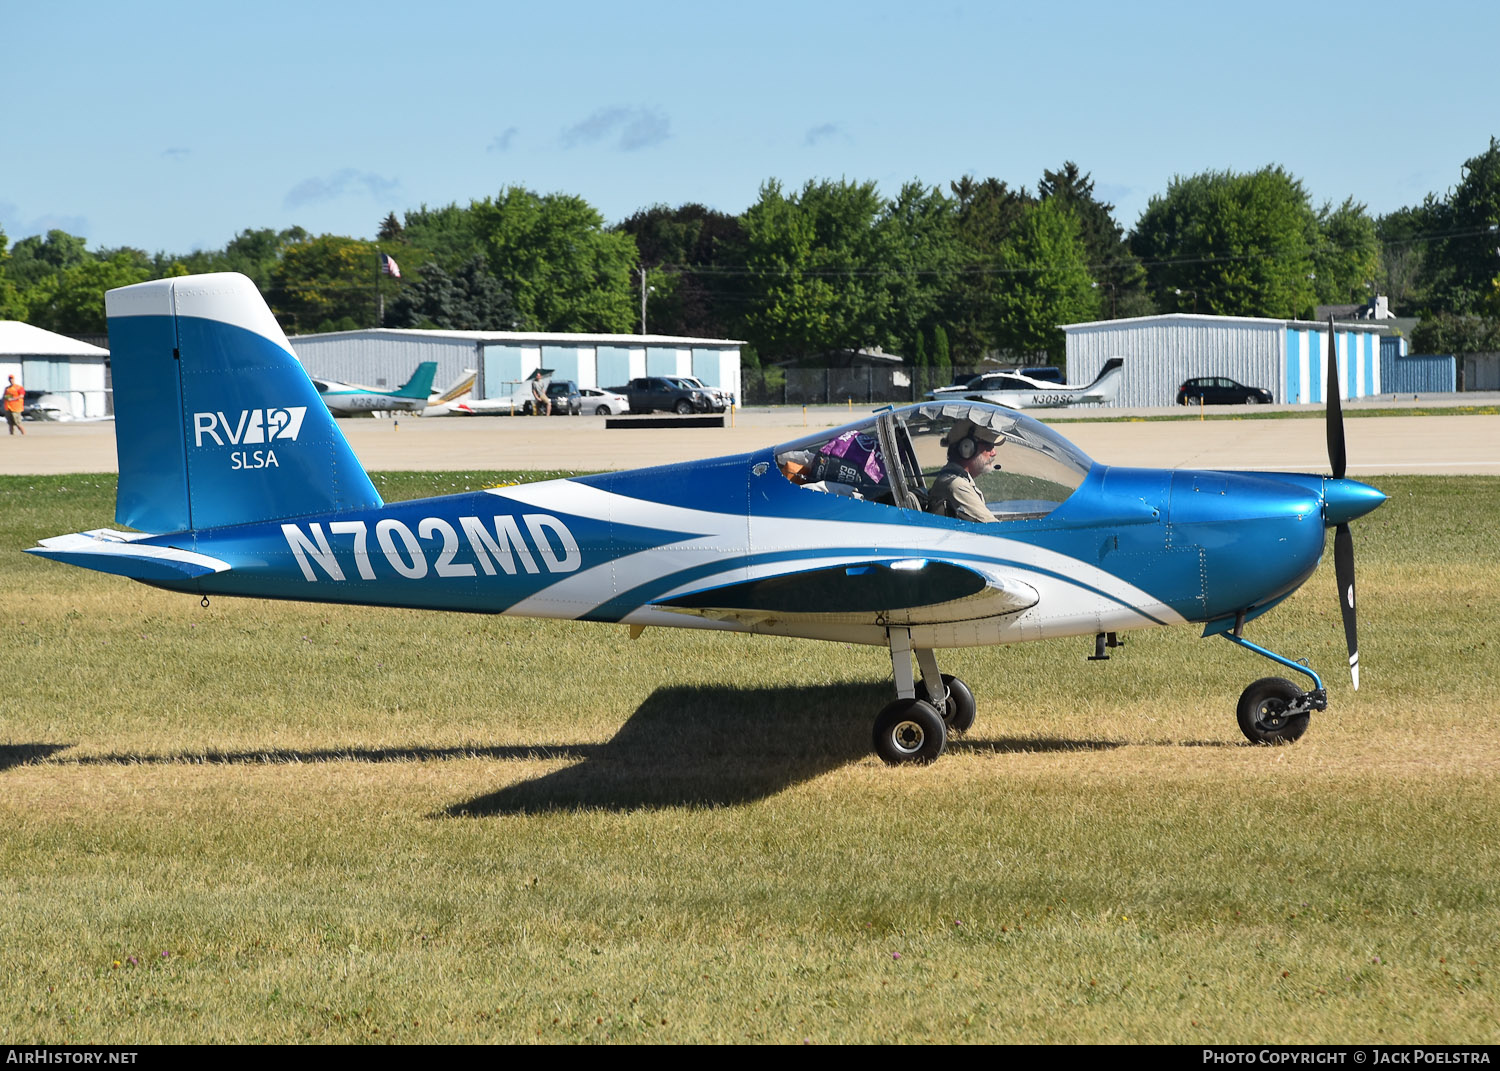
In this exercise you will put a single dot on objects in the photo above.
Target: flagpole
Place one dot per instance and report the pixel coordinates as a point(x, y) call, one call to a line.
point(379, 297)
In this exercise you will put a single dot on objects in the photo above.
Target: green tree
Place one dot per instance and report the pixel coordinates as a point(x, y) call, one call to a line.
point(922, 259)
point(448, 236)
point(253, 253)
point(812, 262)
point(1042, 281)
point(11, 305)
point(1447, 332)
point(471, 299)
point(836, 267)
point(987, 214)
point(1468, 249)
point(1346, 259)
point(326, 283)
point(691, 255)
point(1404, 275)
point(564, 271)
point(1231, 244)
point(72, 301)
point(942, 359)
point(391, 229)
point(921, 368)
point(35, 258)
point(1114, 268)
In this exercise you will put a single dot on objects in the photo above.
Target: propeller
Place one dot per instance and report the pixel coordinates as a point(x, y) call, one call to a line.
point(1343, 539)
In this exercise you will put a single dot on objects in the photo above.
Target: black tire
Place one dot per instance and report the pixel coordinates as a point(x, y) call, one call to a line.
point(684, 407)
point(525, 408)
point(1262, 712)
point(910, 731)
point(1252, 399)
point(959, 717)
point(603, 410)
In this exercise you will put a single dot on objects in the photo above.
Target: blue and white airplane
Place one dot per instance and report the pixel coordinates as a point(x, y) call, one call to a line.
point(346, 399)
point(228, 458)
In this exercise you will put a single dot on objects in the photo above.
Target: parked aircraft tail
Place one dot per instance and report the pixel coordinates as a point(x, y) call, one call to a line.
point(216, 423)
point(1106, 385)
point(420, 383)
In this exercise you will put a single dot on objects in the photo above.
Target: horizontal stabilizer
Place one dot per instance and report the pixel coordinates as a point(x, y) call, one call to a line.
point(122, 553)
point(905, 591)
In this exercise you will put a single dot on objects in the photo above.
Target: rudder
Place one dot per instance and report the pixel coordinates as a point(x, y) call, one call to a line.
point(216, 422)
point(420, 383)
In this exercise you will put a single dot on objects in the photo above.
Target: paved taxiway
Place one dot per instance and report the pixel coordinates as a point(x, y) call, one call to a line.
point(1387, 444)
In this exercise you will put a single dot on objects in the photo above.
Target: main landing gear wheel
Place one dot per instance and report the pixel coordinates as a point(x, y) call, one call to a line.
point(961, 708)
point(910, 730)
point(1263, 713)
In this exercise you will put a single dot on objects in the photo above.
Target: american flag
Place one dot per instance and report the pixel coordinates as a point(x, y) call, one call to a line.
point(389, 266)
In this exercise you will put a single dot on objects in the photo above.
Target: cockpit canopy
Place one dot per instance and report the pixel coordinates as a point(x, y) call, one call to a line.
point(893, 457)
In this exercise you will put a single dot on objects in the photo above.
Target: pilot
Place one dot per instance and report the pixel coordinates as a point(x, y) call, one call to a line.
point(971, 453)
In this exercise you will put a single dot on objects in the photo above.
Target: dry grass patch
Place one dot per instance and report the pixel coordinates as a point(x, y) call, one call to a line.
point(274, 822)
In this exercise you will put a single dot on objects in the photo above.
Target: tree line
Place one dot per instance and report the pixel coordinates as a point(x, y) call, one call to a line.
point(979, 269)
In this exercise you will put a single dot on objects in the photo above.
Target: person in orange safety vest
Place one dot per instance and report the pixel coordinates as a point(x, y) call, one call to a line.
point(15, 401)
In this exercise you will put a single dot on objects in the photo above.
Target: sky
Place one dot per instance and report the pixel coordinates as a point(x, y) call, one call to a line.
point(171, 126)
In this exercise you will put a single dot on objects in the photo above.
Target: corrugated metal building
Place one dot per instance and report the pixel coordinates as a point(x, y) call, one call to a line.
point(74, 374)
point(1287, 357)
point(1482, 371)
point(386, 357)
point(1418, 374)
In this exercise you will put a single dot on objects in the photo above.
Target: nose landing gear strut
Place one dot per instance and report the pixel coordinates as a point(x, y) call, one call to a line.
point(1273, 710)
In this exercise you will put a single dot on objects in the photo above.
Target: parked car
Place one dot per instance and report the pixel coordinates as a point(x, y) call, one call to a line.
point(669, 393)
point(1220, 390)
point(603, 402)
point(564, 396)
point(718, 400)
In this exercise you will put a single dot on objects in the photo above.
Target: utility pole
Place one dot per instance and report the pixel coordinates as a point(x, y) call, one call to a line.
point(644, 291)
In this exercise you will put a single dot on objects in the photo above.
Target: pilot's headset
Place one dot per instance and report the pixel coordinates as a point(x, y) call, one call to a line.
point(968, 446)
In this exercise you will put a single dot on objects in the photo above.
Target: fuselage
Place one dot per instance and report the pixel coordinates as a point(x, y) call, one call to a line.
point(1130, 548)
point(344, 400)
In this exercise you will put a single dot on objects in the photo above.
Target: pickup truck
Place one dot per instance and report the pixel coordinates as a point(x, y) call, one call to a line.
point(673, 394)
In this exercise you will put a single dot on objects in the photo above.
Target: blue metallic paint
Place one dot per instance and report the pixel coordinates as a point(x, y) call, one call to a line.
point(1129, 547)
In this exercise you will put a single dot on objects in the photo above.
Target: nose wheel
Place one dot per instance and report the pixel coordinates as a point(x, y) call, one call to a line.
point(1273, 710)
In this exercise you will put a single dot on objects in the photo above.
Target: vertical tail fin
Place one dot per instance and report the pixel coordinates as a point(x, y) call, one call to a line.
point(216, 423)
point(420, 383)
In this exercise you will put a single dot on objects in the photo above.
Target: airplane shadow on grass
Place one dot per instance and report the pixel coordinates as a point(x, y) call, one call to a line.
point(23, 754)
point(719, 746)
point(684, 746)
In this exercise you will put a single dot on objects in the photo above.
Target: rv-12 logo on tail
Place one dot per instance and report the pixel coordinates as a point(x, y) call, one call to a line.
point(250, 426)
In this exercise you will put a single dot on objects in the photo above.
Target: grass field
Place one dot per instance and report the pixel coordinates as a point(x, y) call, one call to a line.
point(264, 821)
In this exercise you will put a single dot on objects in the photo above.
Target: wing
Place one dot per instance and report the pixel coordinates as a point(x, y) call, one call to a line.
point(906, 591)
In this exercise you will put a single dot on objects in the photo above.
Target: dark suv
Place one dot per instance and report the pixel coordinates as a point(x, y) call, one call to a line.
point(564, 396)
point(1220, 390)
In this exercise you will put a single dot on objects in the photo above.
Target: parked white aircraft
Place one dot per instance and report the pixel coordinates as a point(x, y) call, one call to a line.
point(345, 399)
point(1016, 391)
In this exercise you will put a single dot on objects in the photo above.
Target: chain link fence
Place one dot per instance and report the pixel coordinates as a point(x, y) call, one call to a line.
point(832, 386)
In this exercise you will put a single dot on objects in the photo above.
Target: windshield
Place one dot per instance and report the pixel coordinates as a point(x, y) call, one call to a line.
point(903, 458)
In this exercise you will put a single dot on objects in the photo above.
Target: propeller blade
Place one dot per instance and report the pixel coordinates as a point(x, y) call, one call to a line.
point(1343, 572)
point(1333, 387)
